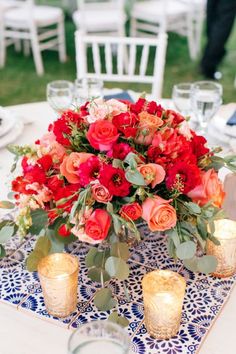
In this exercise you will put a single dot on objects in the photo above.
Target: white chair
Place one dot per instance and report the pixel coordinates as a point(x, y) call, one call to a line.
point(105, 16)
point(180, 16)
point(41, 27)
point(136, 50)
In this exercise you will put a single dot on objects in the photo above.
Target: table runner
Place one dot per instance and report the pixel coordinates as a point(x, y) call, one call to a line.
point(204, 299)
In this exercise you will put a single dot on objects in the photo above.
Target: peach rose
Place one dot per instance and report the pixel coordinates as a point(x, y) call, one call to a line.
point(148, 124)
point(98, 224)
point(152, 173)
point(159, 214)
point(116, 107)
point(210, 189)
point(70, 164)
point(100, 193)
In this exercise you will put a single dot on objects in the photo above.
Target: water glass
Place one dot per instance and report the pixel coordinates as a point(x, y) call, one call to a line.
point(87, 89)
point(181, 98)
point(206, 98)
point(60, 95)
point(100, 337)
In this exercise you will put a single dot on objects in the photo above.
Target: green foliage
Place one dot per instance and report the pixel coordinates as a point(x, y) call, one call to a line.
point(118, 319)
point(103, 300)
point(117, 268)
point(41, 249)
point(2, 251)
point(186, 250)
point(6, 232)
point(99, 275)
point(135, 177)
point(121, 250)
point(5, 204)
point(39, 221)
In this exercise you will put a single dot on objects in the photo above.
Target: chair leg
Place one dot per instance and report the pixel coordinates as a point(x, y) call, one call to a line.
point(133, 27)
point(26, 47)
point(61, 41)
point(2, 47)
point(17, 45)
point(37, 53)
point(191, 38)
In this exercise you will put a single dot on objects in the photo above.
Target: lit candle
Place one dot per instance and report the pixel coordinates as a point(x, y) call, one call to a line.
point(58, 275)
point(163, 295)
point(225, 232)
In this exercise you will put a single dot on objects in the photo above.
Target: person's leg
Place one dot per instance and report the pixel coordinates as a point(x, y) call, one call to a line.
point(218, 33)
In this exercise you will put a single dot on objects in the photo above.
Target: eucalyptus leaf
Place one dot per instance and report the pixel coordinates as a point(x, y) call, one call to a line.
point(202, 228)
point(116, 223)
point(117, 267)
point(135, 177)
point(214, 239)
point(39, 221)
point(121, 250)
point(131, 160)
point(173, 234)
point(103, 300)
point(171, 247)
point(117, 163)
point(191, 264)
point(43, 245)
point(207, 264)
point(193, 208)
point(89, 259)
point(2, 251)
point(56, 246)
point(97, 274)
point(33, 260)
point(118, 319)
point(109, 207)
point(186, 250)
point(5, 204)
point(6, 233)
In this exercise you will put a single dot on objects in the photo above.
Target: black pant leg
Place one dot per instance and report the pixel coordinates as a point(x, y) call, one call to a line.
point(219, 29)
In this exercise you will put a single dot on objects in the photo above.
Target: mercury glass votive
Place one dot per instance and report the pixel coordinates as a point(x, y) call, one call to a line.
point(58, 275)
point(225, 253)
point(163, 295)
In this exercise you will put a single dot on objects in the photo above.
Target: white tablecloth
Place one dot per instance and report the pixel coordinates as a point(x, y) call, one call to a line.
point(22, 333)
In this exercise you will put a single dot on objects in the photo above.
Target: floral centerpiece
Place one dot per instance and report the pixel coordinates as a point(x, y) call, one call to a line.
point(101, 169)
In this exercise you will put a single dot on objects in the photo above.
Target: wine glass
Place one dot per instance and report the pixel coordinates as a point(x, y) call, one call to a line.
point(60, 95)
point(100, 337)
point(87, 89)
point(206, 98)
point(181, 98)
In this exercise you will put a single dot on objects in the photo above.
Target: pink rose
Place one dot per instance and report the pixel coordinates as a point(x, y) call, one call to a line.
point(70, 164)
point(98, 110)
point(98, 224)
point(116, 107)
point(159, 214)
point(100, 193)
point(210, 189)
point(152, 173)
point(102, 135)
point(49, 145)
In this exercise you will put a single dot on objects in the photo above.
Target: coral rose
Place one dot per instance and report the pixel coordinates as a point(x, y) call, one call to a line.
point(98, 224)
point(148, 124)
point(159, 214)
point(100, 193)
point(102, 135)
point(131, 211)
point(152, 173)
point(210, 189)
point(70, 164)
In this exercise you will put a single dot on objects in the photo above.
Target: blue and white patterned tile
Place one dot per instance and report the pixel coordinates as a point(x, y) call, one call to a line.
point(24, 250)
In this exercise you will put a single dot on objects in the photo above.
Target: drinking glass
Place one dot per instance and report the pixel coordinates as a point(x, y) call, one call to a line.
point(60, 95)
point(206, 98)
point(100, 337)
point(181, 98)
point(87, 89)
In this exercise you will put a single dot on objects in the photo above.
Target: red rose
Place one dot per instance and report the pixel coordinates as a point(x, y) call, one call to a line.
point(64, 231)
point(54, 183)
point(114, 180)
point(119, 151)
point(98, 224)
point(45, 162)
point(126, 123)
point(102, 135)
point(131, 211)
point(183, 177)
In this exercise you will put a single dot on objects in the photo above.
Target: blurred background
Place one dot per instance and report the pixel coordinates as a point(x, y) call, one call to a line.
point(19, 82)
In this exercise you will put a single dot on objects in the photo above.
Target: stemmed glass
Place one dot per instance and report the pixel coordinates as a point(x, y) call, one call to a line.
point(181, 98)
point(100, 337)
point(60, 95)
point(206, 98)
point(87, 89)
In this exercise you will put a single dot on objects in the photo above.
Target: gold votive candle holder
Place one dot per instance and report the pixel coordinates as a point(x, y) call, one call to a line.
point(58, 274)
point(225, 253)
point(163, 295)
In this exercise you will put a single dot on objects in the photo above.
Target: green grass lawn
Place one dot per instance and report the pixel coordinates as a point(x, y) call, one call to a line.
point(19, 82)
